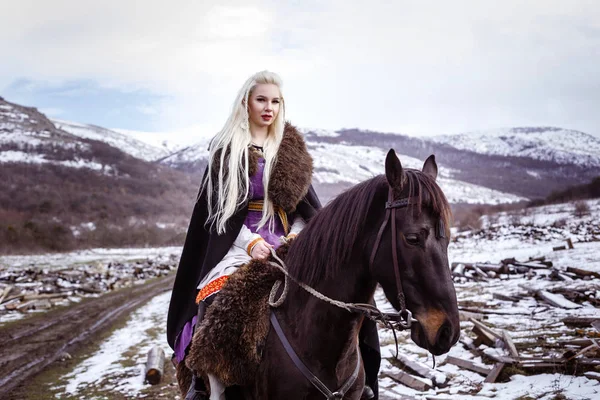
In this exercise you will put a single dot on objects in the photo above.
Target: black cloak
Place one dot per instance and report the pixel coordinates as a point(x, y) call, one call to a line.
point(289, 187)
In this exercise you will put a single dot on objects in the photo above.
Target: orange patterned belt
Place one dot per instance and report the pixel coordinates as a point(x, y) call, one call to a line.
point(212, 287)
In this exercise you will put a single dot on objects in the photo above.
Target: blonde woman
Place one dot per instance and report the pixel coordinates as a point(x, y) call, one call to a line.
point(256, 190)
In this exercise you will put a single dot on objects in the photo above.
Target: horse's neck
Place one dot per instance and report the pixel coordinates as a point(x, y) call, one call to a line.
point(323, 331)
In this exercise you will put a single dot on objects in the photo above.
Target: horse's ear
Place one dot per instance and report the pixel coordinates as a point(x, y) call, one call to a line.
point(393, 170)
point(430, 167)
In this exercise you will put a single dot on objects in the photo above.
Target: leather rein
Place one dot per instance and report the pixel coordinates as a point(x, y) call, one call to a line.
point(403, 319)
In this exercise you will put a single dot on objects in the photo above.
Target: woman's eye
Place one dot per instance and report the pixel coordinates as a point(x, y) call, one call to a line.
point(412, 238)
point(276, 101)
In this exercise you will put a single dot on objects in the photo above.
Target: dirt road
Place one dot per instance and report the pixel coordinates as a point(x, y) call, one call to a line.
point(28, 346)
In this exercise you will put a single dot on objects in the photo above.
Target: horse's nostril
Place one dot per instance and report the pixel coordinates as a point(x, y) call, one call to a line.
point(444, 335)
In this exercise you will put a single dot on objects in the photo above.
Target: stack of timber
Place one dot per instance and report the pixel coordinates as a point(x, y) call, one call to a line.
point(38, 289)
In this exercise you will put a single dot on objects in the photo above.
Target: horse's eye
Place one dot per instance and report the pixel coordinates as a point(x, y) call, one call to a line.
point(412, 238)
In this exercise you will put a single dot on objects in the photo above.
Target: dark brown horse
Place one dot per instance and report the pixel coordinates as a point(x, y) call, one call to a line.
point(335, 255)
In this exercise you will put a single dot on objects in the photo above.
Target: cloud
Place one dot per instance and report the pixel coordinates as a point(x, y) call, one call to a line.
point(403, 66)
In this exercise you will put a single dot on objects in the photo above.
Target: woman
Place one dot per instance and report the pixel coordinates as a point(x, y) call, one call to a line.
point(256, 190)
point(242, 215)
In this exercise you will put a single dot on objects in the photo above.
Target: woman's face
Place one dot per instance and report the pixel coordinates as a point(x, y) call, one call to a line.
point(263, 104)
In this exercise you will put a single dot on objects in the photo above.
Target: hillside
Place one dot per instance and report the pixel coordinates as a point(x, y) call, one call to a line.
point(345, 157)
point(62, 191)
point(125, 143)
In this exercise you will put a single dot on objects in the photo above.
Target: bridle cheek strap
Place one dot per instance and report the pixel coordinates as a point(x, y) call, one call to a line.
point(405, 316)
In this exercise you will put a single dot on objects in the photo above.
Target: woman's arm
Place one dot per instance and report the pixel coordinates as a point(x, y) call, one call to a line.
point(246, 240)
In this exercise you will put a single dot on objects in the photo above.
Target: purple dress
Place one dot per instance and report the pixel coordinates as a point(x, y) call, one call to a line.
point(257, 192)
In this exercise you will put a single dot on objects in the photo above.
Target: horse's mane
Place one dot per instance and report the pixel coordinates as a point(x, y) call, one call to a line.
point(327, 242)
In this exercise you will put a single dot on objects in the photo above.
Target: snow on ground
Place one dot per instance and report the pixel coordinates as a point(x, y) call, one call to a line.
point(535, 327)
point(99, 255)
point(128, 345)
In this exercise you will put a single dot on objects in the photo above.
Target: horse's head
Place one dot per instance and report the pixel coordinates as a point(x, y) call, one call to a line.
point(421, 227)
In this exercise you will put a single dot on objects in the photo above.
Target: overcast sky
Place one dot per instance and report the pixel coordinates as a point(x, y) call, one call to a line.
point(415, 67)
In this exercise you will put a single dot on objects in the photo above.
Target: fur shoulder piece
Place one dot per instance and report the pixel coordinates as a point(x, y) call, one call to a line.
point(291, 176)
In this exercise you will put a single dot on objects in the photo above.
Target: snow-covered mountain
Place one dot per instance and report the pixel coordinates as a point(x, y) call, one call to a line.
point(563, 146)
point(346, 165)
point(499, 166)
point(124, 142)
point(27, 136)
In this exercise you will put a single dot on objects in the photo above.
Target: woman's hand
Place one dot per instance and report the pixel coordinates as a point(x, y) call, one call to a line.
point(261, 250)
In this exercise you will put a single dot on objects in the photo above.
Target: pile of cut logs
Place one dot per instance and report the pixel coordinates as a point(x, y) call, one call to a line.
point(579, 357)
point(465, 271)
point(34, 288)
point(575, 350)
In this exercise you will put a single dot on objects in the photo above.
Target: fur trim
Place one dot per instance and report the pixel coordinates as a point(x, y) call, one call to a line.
point(292, 172)
point(184, 378)
point(229, 341)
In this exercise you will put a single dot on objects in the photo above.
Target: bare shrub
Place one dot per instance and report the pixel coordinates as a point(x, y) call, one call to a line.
point(560, 223)
point(581, 208)
point(515, 220)
point(469, 221)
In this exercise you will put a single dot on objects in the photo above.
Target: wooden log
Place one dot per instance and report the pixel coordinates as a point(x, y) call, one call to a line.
point(465, 315)
point(576, 342)
point(541, 260)
point(28, 297)
point(582, 272)
point(480, 273)
point(580, 322)
point(11, 305)
point(468, 365)
point(89, 289)
point(155, 365)
point(494, 373)
point(557, 300)
point(437, 378)
point(593, 346)
point(558, 248)
point(494, 355)
point(483, 337)
point(596, 325)
point(486, 328)
point(555, 274)
point(570, 243)
point(485, 311)
point(408, 380)
point(459, 270)
point(25, 305)
point(530, 265)
point(510, 346)
point(500, 296)
point(497, 268)
point(592, 375)
point(15, 297)
point(5, 293)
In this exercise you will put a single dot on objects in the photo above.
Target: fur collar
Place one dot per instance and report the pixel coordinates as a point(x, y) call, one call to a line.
point(292, 173)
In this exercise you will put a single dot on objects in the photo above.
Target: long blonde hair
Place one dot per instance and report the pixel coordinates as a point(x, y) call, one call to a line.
point(231, 146)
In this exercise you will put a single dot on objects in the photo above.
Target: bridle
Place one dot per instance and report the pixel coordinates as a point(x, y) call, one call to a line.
point(402, 319)
point(390, 214)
